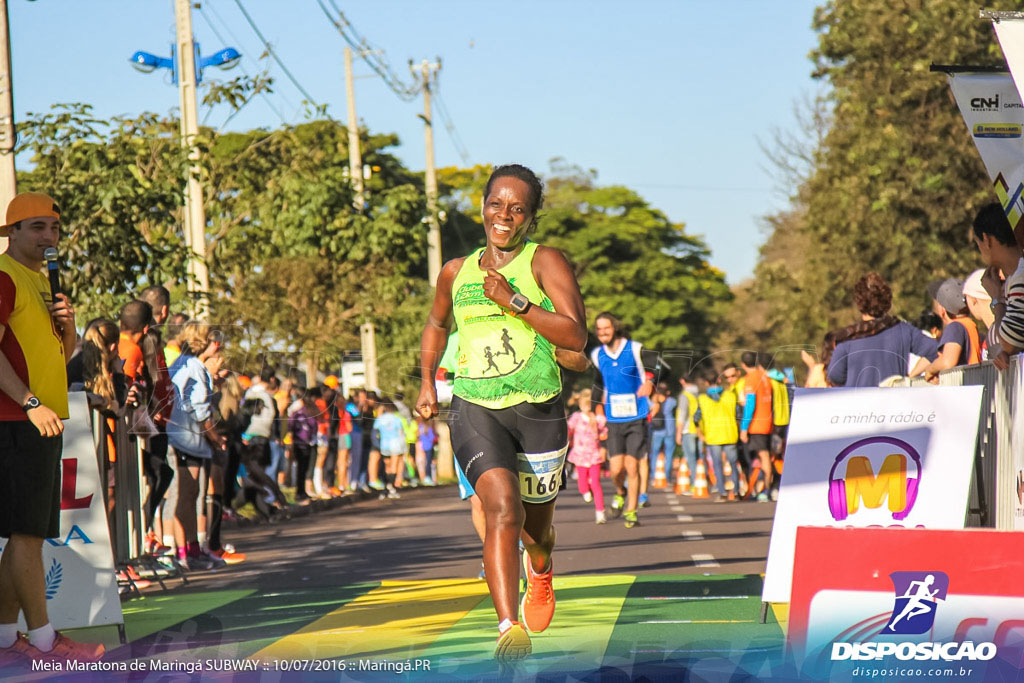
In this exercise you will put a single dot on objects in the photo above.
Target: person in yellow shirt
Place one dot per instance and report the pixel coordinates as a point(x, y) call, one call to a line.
point(716, 427)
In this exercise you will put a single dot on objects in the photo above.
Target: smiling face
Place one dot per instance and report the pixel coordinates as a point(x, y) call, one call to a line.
point(605, 330)
point(32, 237)
point(506, 213)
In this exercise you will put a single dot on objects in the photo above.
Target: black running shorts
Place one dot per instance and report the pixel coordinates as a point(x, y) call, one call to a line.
point(757, 442)
point(528, 438)
point(30, 473)
point(628, 438)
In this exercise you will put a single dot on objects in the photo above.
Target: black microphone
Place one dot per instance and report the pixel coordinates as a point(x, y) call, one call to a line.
point(52, 269)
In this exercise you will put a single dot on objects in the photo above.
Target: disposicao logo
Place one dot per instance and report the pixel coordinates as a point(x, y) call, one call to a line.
point(913, 613)
point(917, 596)
point(860, 484)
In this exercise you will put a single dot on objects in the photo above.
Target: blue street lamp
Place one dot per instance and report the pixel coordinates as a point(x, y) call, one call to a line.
point(147, 62)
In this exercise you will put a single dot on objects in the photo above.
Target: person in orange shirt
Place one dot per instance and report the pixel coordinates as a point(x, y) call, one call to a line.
point(756, 426)
point(136, 317)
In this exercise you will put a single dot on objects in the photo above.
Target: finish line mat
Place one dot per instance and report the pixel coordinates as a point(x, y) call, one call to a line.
point(657, 625)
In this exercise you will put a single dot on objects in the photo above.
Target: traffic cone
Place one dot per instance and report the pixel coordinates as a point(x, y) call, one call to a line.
point(660, 481)
point(727, 473)
point(700, 481)
point(682, 478)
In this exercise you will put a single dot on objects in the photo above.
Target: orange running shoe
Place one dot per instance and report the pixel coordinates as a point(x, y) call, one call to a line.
point(229, 556)
point(513, 643)
point(18, 656)
point(64, 649)
point(539, 599)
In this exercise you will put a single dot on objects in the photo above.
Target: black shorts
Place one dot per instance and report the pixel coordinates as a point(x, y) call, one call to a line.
point(758, 442)
point(528, 438)
point(186, 460)
point(30, 473)
point(628, 438)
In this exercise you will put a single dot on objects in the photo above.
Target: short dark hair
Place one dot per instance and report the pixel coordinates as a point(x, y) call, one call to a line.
point(929, 321)
point(730, 366)
point(156, 296)
point(749, 358)
point(266, 372)
point(135, 315)
point(991, 220)
point(522, 173)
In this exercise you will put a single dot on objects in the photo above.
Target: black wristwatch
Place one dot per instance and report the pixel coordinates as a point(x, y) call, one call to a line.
point(519, 303)
point(33, 402)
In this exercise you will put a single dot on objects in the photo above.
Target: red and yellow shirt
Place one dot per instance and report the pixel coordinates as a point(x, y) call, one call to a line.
point(31, 343)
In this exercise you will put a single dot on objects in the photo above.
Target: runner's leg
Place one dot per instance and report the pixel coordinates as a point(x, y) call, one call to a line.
point(504, 515)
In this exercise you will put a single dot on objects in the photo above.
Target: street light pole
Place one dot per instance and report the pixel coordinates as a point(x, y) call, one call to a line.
point(430, 176)
point(8, 179)
point(195, 216)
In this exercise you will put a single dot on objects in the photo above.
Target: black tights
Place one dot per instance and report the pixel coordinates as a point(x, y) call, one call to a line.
point(158, 474)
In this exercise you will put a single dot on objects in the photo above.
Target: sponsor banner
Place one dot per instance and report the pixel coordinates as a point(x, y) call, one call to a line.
point(912, 601)
point(991, 107)
point(81, 588)
point(873, 457)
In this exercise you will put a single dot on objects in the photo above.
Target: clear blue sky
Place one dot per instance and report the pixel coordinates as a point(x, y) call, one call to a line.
point(668, 97)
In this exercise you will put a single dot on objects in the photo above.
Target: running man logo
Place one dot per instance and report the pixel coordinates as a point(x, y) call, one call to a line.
point(917, 596)
point(861, 484)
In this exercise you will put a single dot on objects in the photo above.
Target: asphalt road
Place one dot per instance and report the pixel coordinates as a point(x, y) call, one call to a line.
point(427, 534)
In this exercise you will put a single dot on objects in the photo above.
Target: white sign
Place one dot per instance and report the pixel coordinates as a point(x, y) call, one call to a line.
point(81, 589)
point(873, 457)
point(991, 107)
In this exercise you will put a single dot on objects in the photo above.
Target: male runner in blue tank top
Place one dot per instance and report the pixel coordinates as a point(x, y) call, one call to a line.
point(626, 388)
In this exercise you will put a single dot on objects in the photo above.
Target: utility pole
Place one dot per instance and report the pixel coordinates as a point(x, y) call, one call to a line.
point(355, 159)
point(434, 233)
point(195, 216)
point(368, 341)
point(8, 180)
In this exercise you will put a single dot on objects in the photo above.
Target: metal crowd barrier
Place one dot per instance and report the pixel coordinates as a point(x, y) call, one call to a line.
point(994, 486)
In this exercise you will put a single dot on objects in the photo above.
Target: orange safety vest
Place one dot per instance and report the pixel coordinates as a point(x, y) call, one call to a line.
point(974, 353)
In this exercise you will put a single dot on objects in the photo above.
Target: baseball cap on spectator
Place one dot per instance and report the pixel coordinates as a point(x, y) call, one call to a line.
point(244, 381)
point(950, 296)
point(973, 287)
point(29, 205)
point(331, 381)
point(933, 289)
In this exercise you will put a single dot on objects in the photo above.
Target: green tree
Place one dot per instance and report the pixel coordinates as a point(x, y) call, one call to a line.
point(895, 180)
point(119, 186)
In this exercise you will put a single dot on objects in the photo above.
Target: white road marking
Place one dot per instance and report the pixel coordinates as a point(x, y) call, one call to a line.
point(685, 518)
point(693, 535)
point(703, 560)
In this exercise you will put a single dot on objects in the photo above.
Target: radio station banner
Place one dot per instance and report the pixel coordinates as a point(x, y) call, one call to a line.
point(991, 107)
point(897, 457)
point(907, 604)
point(81, 588)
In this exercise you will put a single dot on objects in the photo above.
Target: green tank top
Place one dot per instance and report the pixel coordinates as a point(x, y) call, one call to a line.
point(501, 360)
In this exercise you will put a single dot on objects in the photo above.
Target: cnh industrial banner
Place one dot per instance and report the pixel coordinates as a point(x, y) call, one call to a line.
point(873, 458)
point(81, 589)
point(907, 604)
point(991, 107)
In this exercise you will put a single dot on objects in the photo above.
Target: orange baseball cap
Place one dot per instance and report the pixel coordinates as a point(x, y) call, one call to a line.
point(244, 381)
point(29, 205)
point(331, 381)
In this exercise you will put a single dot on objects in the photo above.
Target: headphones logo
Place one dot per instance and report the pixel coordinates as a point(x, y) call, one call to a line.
point(861, 485)
point(917, 596)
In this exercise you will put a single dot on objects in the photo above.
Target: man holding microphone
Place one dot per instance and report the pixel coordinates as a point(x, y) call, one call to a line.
point(37, 337)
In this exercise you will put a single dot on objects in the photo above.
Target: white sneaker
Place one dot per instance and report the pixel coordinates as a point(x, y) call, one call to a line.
point(599, 517)
point(588, 497)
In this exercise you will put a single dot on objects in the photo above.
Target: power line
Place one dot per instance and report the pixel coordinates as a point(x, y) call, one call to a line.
point(449, 126)
point(270, 51)
point(244, 70)
point(372, 57)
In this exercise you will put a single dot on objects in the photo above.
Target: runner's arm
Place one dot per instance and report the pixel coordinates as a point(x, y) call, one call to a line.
point(435, 337)
point(566, 326)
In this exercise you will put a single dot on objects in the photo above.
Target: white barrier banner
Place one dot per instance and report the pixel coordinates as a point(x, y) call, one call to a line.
point(873, 458)
point(81, 589)
point(991, 107)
